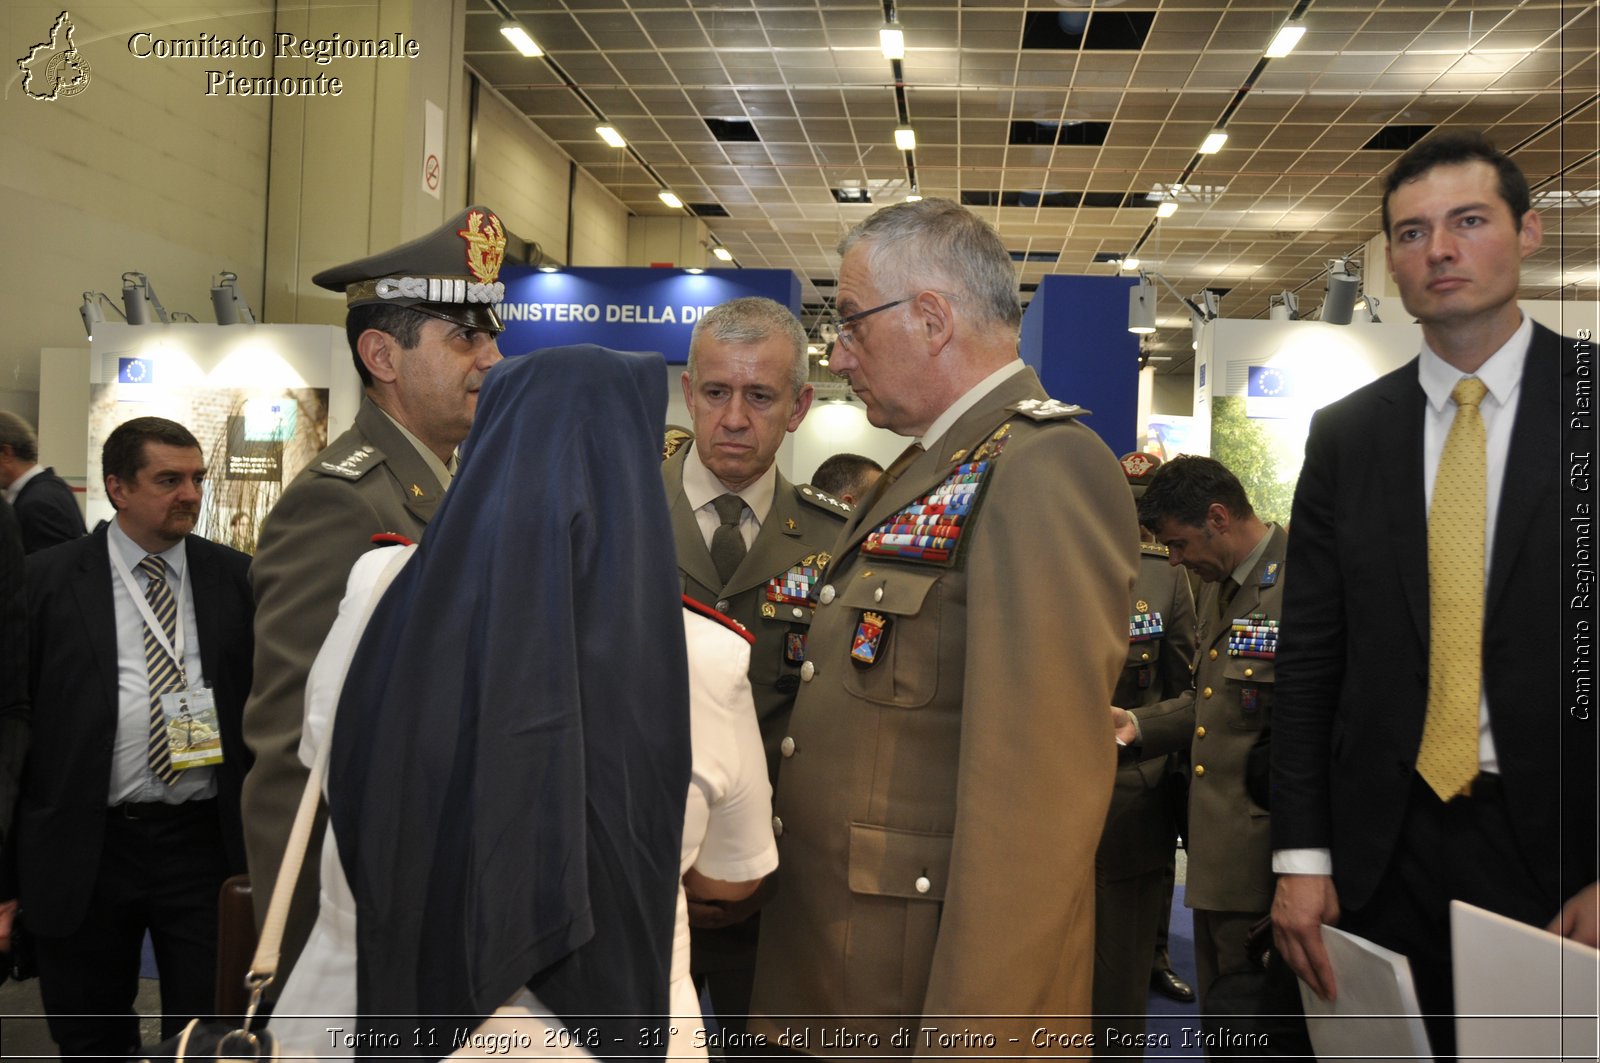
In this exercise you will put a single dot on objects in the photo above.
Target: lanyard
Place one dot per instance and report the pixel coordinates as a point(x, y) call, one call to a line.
point(157, 632)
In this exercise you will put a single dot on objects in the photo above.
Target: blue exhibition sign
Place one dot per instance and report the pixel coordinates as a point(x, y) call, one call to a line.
point(626, 309)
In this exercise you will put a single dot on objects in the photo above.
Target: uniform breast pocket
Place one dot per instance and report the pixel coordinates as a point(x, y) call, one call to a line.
point(782, 644)
point(894, 652)
point(1249, 682)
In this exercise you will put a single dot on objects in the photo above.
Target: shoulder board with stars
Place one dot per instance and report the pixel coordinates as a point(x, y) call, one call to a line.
point(1048, 409)
point(726, 621)
point(930, 529)
point(822, 500)
point(1154, 550)
point(352, 466)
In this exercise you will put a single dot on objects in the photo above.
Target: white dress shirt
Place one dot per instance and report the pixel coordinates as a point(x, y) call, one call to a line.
point(702, 488)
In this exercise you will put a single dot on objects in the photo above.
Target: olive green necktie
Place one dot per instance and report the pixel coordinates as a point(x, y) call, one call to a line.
point(1449, 757)
point(727, 542)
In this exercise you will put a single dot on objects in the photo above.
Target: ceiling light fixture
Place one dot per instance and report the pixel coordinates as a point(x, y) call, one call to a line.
point(722, 253)
point(610, 135)
point(669, 199)
point(905, 138)
point(1129, 264)
point(1285, 306)
point(696, 270)
point(91, 312)
point(1167, 209)
point(1287, 38)
point(139, 299)
point(1213, 142)
point(513, 32)
point(226, 304)
point(1142, 308)
point(1339, 304)
point(913, 197)
point(892, 39)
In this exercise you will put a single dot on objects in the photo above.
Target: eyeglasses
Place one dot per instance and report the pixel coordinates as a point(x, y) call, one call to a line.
point(845, 326)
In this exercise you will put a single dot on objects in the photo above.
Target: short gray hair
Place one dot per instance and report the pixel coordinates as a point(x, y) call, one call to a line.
point(751, 319)
point(908, 242)
point(19, 436)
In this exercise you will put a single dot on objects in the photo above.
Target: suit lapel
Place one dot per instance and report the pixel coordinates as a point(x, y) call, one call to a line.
point(1535, 442)
point(203, 585)
point(420, 482)
point(91, 592)
point(777, 546)
point(695, 561)
point(1399, 430)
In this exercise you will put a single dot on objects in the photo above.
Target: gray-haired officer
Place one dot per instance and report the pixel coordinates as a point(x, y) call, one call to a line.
point(1133, 867)
point(422, 324)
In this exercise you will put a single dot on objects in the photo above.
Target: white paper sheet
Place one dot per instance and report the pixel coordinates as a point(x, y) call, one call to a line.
point(1521, 993)
point(1376, 1017)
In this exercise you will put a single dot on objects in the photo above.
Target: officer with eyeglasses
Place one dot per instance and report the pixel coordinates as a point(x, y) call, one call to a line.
point(949, 761)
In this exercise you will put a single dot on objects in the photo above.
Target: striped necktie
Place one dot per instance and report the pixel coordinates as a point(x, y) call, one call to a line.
point(1448, 759)
point(165, 676)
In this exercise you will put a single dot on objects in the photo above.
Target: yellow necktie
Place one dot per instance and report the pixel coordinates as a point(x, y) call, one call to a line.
point(1449, 757)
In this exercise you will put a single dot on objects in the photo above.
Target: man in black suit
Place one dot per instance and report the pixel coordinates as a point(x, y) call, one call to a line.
point(45, 507)
point(125, 824)
point(13, 694)
point(1379, 820)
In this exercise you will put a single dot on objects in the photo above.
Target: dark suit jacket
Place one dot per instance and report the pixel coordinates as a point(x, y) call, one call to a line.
point(47, 512)
point(1353, 660)
point(72, 679)
point(13, 666)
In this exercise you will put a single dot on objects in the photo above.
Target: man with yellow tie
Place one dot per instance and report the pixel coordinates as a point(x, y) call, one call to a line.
point(1423, 751)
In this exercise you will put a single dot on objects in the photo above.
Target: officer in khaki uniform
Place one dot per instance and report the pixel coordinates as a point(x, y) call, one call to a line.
point(1199, 511)
point(1134, 862)
point(422, 327)
point(952, 756)
point(746, 388)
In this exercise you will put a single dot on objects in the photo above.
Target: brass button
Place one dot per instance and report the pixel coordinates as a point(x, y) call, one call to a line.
point(923, 885)
point(1248, 672)
point(1213, 655)
point(1199, 770)
point(1206, 693)
point(1144, 656)
point(799, 613)
point(877, 595)
point(826, 596)
point(808, 670)
point(777, 825)
point(786, 747)
point(1199, 732)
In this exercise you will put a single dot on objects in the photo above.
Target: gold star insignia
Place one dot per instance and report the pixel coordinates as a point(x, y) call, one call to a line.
point(416, 491)
point(790, 524)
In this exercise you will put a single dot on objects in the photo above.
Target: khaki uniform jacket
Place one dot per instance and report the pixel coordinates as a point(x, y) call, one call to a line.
point(369, 480)
point(798, 530)
point(1230, 850)
point(1141, 828)
point(939, 812)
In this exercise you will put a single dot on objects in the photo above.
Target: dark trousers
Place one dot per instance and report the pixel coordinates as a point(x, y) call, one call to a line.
point(159, 874)
point(1463, 850)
